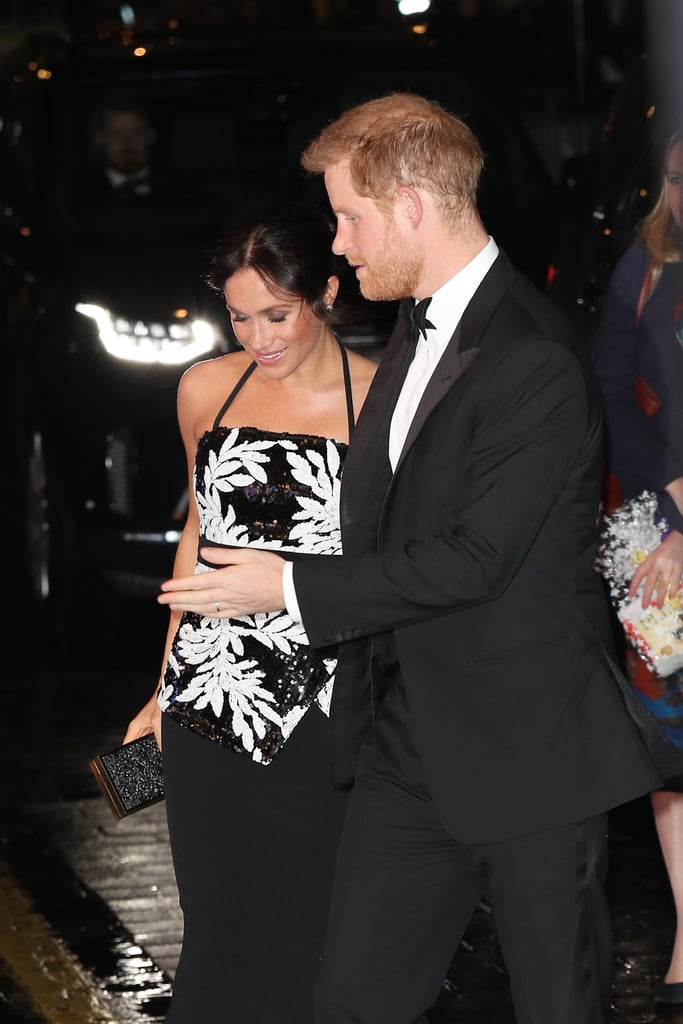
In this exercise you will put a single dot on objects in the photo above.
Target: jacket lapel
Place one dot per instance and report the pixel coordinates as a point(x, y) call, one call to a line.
point(367, 471)
point(450, 367)
point(463, 348)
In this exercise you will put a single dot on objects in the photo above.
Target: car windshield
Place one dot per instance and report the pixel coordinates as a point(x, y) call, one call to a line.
point(213, 148)
point(223, 142)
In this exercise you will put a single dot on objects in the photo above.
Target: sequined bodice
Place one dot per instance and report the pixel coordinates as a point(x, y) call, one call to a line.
point(246, 682)
point(276, 491)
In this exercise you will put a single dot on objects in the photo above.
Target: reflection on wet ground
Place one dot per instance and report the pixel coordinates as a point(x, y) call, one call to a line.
point(59, 936)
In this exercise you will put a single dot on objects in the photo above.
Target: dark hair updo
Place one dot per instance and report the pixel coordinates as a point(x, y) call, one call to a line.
point(290, 246)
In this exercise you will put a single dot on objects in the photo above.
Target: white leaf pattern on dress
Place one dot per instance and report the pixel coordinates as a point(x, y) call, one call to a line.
point(324, 697)
point(219, 677)
point(292, 718)
point(277, 630)
point(215, 526)
point(216, 651)
point(236, 465)
point(318, 519)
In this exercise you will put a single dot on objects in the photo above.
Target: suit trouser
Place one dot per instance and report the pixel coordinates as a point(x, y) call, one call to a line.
point(405, 891)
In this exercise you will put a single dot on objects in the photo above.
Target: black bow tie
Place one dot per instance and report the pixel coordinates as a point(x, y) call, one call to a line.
point(416, 315)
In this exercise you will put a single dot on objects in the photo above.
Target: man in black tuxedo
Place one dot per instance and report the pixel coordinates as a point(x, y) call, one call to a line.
point(476, 707)
point(125, 140)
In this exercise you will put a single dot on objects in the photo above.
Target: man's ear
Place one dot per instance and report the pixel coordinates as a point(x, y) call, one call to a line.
point(409, 204)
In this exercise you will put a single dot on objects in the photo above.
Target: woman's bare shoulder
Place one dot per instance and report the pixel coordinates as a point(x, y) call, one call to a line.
point(362, 371)
point(205, 385)
point(220, 372)
point(361, 367)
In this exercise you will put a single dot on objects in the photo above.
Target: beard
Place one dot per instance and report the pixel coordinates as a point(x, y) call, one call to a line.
point(392, 274)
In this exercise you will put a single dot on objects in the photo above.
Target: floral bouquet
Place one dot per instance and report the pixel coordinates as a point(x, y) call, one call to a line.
point(626, 538)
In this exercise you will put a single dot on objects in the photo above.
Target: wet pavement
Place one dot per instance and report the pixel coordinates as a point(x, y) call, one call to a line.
point(90, 927)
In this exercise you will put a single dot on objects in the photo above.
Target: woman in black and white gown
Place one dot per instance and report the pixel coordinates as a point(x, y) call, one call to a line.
point(242, 704)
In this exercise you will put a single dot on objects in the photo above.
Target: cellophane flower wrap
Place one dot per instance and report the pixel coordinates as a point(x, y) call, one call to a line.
point(626, 538)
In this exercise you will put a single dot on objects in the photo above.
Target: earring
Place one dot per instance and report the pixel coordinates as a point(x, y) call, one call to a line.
point(329, 307)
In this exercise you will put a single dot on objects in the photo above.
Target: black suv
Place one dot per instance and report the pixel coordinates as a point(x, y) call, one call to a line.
point(104, 306)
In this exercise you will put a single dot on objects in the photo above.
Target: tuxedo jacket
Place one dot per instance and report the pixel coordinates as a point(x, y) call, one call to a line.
point(475, 560)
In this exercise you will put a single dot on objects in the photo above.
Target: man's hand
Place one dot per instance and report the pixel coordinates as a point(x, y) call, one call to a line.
point(245, 581)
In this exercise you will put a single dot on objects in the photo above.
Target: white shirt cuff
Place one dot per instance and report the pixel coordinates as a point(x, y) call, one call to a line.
point(288, 590)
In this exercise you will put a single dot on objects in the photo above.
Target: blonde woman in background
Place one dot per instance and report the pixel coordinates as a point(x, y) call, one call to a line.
point(639, 361)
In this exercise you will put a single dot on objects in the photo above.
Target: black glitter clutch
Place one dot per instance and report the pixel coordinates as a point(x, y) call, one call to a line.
point(130, 776)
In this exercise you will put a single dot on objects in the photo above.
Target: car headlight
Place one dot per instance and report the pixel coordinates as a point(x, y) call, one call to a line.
point(140, 342)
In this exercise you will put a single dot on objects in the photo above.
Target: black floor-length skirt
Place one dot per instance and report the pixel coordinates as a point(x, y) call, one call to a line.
point(253, 849)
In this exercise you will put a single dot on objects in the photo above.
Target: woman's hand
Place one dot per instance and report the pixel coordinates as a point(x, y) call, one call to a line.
point(661, 571)
point(147, 720)
point(244, 581)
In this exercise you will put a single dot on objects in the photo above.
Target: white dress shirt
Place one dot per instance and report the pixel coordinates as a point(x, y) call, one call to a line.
point(140, 180)
point(444, 311)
